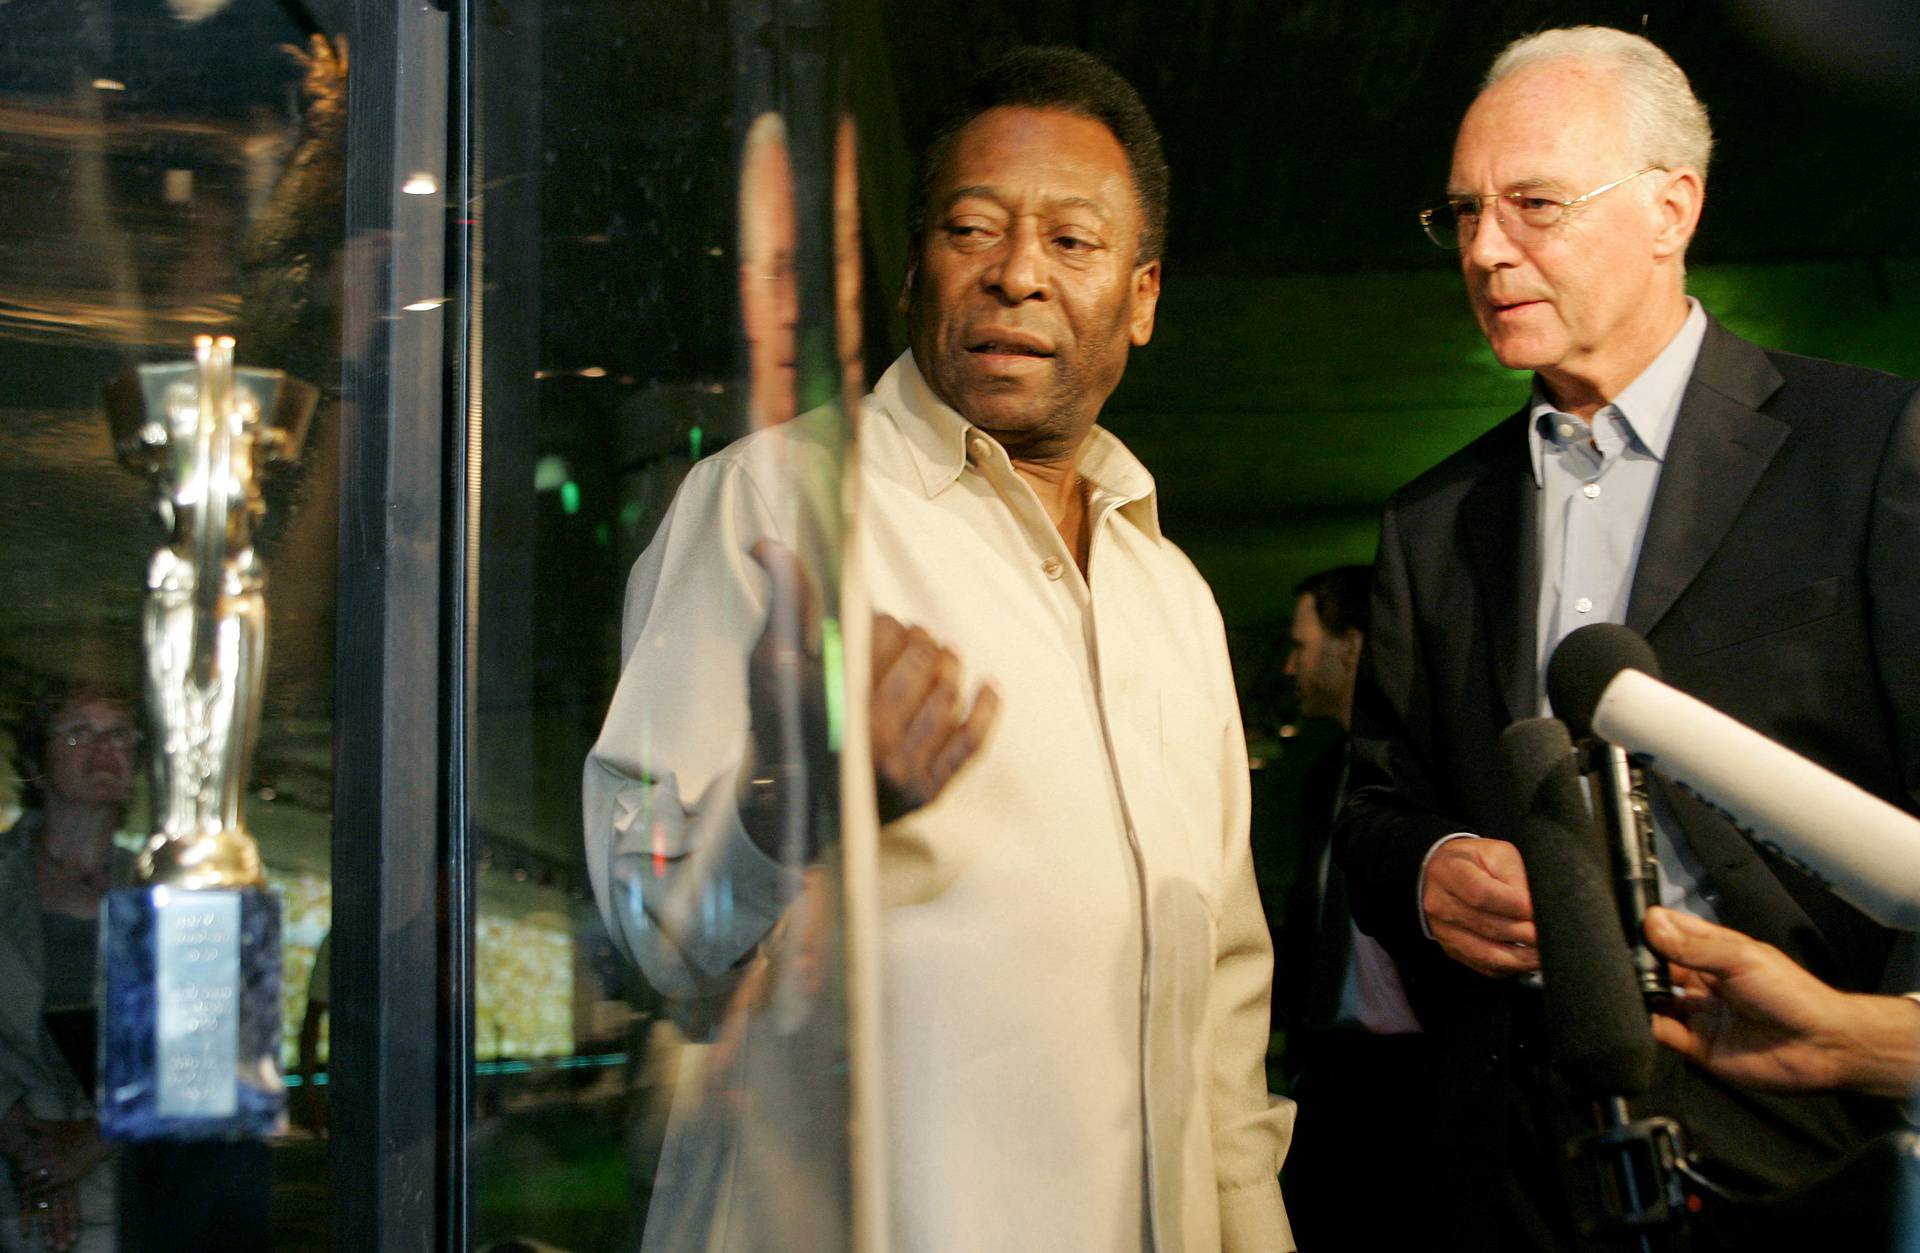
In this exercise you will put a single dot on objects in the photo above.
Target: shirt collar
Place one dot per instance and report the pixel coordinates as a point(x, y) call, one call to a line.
point(1646, 408)
point(934, 439)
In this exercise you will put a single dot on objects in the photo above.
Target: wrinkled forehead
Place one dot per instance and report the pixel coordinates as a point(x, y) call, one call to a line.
point(1039, 157)
point(1561, 124)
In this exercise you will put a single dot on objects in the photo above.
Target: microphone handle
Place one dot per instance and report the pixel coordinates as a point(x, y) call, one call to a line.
point(1620, 796)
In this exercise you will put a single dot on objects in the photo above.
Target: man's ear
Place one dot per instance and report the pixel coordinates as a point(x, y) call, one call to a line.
point(1352, 640)
point(1146, 298)
point(1678, 203)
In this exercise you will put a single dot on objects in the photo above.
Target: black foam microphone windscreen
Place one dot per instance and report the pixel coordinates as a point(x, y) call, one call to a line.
point(1585, 662)
point(1597, 1028)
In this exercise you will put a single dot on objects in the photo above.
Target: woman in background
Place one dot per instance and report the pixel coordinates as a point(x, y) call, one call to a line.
point(74, 750)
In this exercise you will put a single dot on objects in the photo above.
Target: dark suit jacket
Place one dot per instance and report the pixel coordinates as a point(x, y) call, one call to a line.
point(1779, 582)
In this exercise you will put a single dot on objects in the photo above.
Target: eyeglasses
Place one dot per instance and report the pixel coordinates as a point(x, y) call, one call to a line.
point(1527, 216)
point(86, 735)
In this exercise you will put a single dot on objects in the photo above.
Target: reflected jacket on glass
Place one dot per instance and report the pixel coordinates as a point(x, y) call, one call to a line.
point(1071, 934)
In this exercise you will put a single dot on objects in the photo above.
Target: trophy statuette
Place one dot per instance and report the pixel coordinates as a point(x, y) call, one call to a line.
point(190, 1047)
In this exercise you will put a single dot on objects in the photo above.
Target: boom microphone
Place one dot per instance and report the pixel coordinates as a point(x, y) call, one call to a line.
point(1596, 1021)
point(1864, 850)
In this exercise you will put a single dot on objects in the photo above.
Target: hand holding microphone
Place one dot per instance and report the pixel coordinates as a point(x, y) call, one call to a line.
point(1747, 1013)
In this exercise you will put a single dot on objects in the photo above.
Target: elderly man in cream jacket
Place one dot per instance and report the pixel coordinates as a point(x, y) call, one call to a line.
point(1074, 968)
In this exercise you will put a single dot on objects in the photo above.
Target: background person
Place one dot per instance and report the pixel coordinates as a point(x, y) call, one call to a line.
point(74, 751)
point(1358, 1062)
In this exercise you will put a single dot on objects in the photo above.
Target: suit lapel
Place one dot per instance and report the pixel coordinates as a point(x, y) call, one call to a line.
point(1720, 447)
point(1501, 520)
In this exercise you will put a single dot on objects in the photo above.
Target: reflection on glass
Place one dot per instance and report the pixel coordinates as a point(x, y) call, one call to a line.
point(654, 293)
point(848, 303)
point(74, 753)
point(769, 285)
point(170, 170)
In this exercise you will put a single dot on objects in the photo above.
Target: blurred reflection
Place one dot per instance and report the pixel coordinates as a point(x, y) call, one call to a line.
point(74, 751)
point(170, 169)
point(769, 284)
point(850, 334)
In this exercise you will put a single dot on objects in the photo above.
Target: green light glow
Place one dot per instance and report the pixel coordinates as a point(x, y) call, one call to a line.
point(693, 443)
point(570, 497)
point(833, 666)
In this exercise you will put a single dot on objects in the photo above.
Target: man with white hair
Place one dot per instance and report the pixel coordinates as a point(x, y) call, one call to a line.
point(1752, 513)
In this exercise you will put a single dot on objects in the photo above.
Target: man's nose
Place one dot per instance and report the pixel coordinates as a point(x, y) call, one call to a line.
point(1490, 246)
point(1019, 273)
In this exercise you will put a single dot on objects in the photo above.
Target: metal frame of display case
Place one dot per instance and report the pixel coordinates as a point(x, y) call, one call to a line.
point(398, 1090)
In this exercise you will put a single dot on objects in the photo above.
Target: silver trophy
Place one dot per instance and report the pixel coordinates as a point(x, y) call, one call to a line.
point(190, 1047)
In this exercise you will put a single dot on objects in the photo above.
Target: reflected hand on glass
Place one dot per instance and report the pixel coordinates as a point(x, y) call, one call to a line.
point(922, 733)
point(55, 1215)
point(787, 711)
point(792, 960)
point(57, 1153)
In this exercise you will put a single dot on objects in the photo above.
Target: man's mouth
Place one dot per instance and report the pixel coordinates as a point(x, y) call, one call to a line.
point(999, 345)
point(1511, 306)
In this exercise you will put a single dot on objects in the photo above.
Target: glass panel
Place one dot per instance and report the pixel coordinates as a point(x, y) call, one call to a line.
point(657, 262)
point(166, 170)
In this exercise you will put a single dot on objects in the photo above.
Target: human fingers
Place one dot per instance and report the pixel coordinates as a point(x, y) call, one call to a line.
point(931, 725)
point(1493, 958)
point(888, 637)
point(1485, 875)
point(1462, 889)
point(57, 1214)
point(1671, 1028)
point(964, 738)
point(899, 690)
point(1699, 944)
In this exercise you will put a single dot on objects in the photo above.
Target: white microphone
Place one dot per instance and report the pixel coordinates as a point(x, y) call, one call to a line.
point(1864, 850)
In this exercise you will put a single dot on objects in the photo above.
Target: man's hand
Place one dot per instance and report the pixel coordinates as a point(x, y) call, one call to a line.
point(1746, 1012)
point(921, 733)
point(56, 1213)
point(1475, 898)
point(48, 1157)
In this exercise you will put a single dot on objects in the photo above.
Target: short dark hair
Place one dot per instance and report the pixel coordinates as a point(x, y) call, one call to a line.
point(35, 728)
point(1070, 81)
point(1342, 597)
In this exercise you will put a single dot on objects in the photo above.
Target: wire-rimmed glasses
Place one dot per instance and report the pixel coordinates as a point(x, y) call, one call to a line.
point(1527, 215)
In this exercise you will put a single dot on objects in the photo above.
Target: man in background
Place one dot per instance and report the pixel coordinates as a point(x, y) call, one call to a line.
point(1356, 1058)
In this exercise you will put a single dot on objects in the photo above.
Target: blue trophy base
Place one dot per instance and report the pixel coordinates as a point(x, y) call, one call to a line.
point(190, 1033)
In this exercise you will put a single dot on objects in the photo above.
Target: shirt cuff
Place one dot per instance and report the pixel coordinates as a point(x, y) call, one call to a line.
point(1420, 884)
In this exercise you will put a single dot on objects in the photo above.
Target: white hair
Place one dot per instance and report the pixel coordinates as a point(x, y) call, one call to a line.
point(1666, 122)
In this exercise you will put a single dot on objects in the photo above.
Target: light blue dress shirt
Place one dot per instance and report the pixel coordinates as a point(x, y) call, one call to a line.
point(1596, 494)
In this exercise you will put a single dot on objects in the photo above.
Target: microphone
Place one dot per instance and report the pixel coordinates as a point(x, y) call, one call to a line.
point(1596, 1020)
point(1619, 790)
point(1864, 850)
